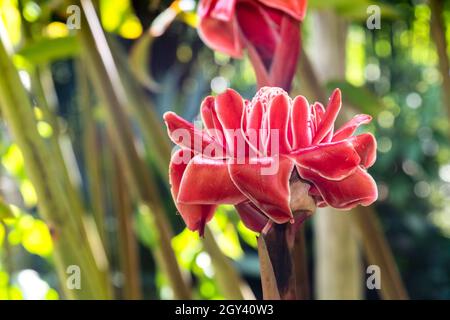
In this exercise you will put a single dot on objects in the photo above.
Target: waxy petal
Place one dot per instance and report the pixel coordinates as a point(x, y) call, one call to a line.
point(210, 120)
point(257, 29)
point(285, 57)
point(207, 181)
point(300, 123)
point(251, 216)
point(317, 112)
point(295, 8)
point(333, 161)
point(221, 35)
point(229, 109)
point(278, 120)
point(358, 188)
point(265, 181)
point(197, 215)
point(350, 127)
point(208, 112)
point(253, 127)
point(185, 134)
point(217, 9)
point(366, 146)
point(329, 117)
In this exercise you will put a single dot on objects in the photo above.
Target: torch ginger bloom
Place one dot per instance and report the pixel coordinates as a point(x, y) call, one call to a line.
point(269, 29)
point(248, 151)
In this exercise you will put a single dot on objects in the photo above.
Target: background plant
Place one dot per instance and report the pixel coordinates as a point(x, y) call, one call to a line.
point(58, 130)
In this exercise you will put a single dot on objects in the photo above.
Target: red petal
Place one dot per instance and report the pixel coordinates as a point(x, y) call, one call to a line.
point(229, 109)
point(350, 127)
point(184, 134)
point(265, 181)
point(255, 116)
point(295, 8)
point(300, 122)
point(329, 117)
point(195, 216)
point(285, 58)
point(207, 112)
point(257, 28)
point(207, 181)
point(317, 110)
point(333, 161)
point(253, 126)
point(357, 189)
point(218, 9)
point(210, 120)
point(279, 112)
point(251, 216)
point(366, 146)
point(221, 35)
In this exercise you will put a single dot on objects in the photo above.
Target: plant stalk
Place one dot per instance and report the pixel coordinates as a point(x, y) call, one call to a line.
point(69, 234)
point(281, 251)
point(106, 81)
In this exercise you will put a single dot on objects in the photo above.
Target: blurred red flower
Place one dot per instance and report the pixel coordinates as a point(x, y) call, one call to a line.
point(269, 29)
point(247, 152)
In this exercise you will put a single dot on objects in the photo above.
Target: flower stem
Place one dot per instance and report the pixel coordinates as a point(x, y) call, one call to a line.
point(275, 249)
point(301, 265)
point(281, 250)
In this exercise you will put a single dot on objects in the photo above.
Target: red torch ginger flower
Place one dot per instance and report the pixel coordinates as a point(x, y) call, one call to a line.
point(248, 151)
point(269, 29)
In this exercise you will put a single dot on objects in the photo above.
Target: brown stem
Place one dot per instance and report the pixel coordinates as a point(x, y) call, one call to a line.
point(282, 252)
point(301, 265)
point(275, 248)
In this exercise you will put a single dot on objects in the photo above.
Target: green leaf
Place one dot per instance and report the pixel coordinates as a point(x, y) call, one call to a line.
point(50, 49)
point(360, 98)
